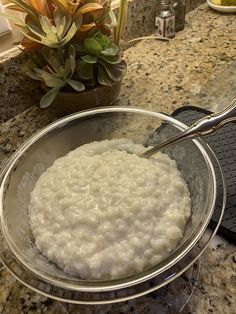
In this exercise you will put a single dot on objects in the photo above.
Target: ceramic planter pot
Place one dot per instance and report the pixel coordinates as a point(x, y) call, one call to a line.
point(102, 95)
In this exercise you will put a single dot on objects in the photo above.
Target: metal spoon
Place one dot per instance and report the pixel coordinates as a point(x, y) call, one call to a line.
point(201, 127)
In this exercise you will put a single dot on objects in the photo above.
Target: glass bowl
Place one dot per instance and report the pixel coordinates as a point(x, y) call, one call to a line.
point(194, 159)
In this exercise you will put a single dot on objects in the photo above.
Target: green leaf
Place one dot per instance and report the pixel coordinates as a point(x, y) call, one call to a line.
point(111, 59)
point(50, 41)
point(66, 25)
point(52, 80)
point(78, 86)
point(54, 30)
point(38, 59)
point(70, 30)
point(92, 46)
point(46, 24)
point(72, 64)
point(67, 68)
point(48, 29)
point(30, 37)
point(60, 21)
point(45, 75)
point(72, 51)
point(103, 77)
point(28, 66)
point(94, 32)
point(80, 50)
point(47, 99)
point(35, 29)
point(89, 58)
point(53, 59)
point(103, 40)
point(61, 29)
point(34, 75)
point(112, 51)
point(85, 70)
point(33, 63)
point(70, 34)
point(114, 71)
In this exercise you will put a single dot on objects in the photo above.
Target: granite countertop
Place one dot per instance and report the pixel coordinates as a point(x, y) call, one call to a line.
point(161, 76)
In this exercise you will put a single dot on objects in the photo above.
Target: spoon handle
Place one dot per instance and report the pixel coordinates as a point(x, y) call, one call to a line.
point(216, 120)
point(202, 127)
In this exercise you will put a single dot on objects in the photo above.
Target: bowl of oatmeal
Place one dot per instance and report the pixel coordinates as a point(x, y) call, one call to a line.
point(85, 219)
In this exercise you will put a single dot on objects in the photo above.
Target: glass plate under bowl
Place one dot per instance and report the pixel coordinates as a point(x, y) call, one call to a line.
point(194, 159)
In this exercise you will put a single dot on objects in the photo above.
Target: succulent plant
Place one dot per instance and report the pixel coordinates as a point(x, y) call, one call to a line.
point(58, 69)
point(55, 23)
point(54, 36)
point(100, 58)
point(72, 43)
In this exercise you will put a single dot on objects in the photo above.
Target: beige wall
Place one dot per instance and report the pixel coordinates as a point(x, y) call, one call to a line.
point(9, 40)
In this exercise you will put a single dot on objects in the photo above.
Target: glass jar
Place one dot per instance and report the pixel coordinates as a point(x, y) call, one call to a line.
point(180, 9)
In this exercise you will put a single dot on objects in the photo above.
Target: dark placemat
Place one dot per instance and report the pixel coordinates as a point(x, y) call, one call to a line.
point(223, 143)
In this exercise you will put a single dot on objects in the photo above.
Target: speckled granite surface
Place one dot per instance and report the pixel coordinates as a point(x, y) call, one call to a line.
point(142, 14)
point(17, 92)
point(161, 76)
point(224, 87)
point(168, 75)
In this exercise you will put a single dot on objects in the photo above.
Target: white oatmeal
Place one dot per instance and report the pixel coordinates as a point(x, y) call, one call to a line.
point(102, 213)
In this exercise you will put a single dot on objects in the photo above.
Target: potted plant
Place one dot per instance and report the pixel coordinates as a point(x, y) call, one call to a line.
point(73, 49)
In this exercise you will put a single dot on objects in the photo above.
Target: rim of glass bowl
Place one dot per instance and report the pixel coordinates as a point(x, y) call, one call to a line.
point(107, 285)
